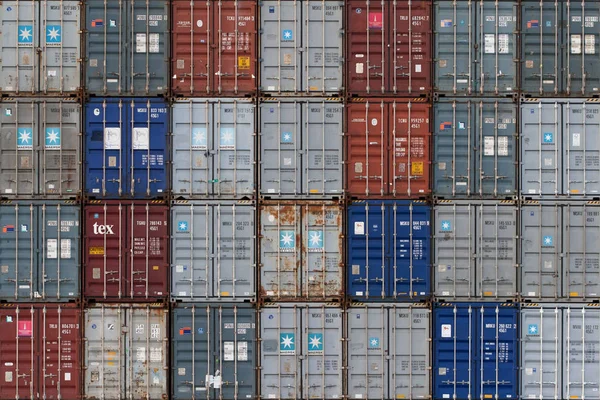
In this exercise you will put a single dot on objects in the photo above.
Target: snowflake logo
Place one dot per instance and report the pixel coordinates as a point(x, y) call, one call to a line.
point(548, 137)
point(548, 241)
point(532, 329)
point(286, 137)
point(182, 226)
point(53, 34)
point(24, 141)
point(53, 138)
point(373, 342)
point(315, 239)
point(315, 341)
point(227, 138)
point(286, 342)
point(446, 226)
point(287, 34)
point(199, 138)
point(26, 34)
point(287, 240)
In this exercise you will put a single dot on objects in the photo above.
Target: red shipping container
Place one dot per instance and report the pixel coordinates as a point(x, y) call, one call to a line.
point(388, 148)
point(389, 48)
point(214, 48)
point(126, 255)
point(40, 351)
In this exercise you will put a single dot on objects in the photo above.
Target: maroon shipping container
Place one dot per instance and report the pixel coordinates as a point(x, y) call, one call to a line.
point(214, 48)
point(389, 47)
point(388, 145)
point(40, 351)
point(126, 255)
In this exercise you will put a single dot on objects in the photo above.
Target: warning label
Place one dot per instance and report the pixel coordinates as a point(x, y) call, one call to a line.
point(416, 168)
point(243, 62)
point(97, 251)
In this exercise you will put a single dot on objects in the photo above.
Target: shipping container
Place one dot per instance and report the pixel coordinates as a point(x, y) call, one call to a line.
point(126, 352)
point(126, 251)
point(388, 148)
point(39, 251)
point(389, 48)
point(560, 257)
point(126, 152)
point(214, 148)
point(214, 48)
point(476, 49)
point(41, 47)
point(560, 47)
point(475, 351)
point(560, 349)
point(213, 251)
point(41, 351)
point(301, 150)
point(388, 351)
point(127, 47)
point(389, 250)
point(475, 250)
point(301, 47)
point(475, 148)
point(301, 251)
point(213, 352)
point(560, 149)
point(36, 159)
point(301, 351)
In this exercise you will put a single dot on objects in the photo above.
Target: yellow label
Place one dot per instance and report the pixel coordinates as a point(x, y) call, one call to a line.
point(224, 293)
point(314, 190)
point(155, 267)
point(243, 62)
point(400, 396)
point(488, 294)
point(416, 168)
point(575, 191)
point(487, 396)
point(574, 294)
point(97, 251)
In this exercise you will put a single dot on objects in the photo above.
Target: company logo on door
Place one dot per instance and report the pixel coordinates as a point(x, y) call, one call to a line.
point(103, 229)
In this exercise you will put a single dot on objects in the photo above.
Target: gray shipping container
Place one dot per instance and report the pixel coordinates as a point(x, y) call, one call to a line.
point(301, 351)
point(560, 351)
point(213, 148)
point(127, 46)
point(41, 47)
point(301, 249)
point(475, 148)
point(213, 251)
point(475, 47)
point(389, 348)
point(301, 151)
point(560, 148)
point(126, 352)
point(301, 46)
point(40, 256)
point(214, 352)
point(560, 256)
point(475, 250)
point(40, 148)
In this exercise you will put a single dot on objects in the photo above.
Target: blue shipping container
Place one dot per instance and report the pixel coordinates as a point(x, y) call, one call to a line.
point(475, 351)
point(389, 245)
point(126, 148)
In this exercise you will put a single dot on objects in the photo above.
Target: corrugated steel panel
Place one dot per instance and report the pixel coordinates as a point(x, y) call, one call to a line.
point(388, 148)
point(475, 351)
point(41, 47)
point(214, 148)
point(388, 351)
point(213, 251)
point(225, 34)
point(301, 351)
point(301, 148)
point(475, 148)
point(301, 44)
point(214, 351)
point(475, 250)
point(126, 351)
point(127, 47)
point(389, 246)
point(39, 251)
point(40, 148)
point(126, 152)
point(301, 251)
point(389, 47)
point(126, 251)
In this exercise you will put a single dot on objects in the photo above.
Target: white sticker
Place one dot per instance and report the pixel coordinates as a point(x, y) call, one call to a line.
point(417, 67)
point(529, 371)
point(547, 162)
point(52, 249)
point(242, 351)
point(576, 139)
point(503, 43)
point(141, 139)
point(548, 264)
point(590, 44)
point(287, 161)
point(503, 145)
point(229, 354)
point(141, 354)
point(575, 44)
point(488, 146)
point(155, 354)
point(359, 228)
point(181, 371)
point(112, 138)
point(217, 382)
point(51, 72)
point(199, 23)
point(490, 43)
point(360, 68)
point(8, 191)
point(374, 122)
point(179, 268)
point(8, 376)
point(96, 111)
point(67, 376)
point(65, 248)
point(140, 40)
point(446, 330)
point(154, 43)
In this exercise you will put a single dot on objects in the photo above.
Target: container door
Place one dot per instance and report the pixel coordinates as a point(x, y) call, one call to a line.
point(541, 251)
point(541, 343)
point(18, 258)
point(19, 167)
point(367, 276)
point(409, 250)
point(20, 41)
point(541, 149)
point(367, 146)
point(280, 331)
point(281, 41)
point(59, 267)
point(60, 41)
point(580, 352)
point(106, 47)
point(454, 262)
